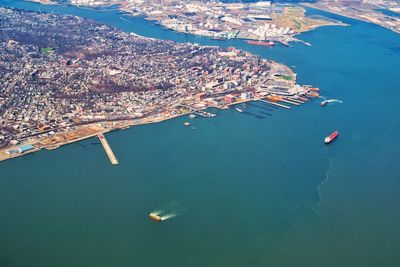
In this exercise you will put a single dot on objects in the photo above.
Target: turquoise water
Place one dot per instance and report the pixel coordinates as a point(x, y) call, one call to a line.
point(252, 192)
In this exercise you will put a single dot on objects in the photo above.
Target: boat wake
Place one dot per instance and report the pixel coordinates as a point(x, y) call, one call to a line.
point(328, 101)
point(334, 101)
point(170, 210)
point(321, 199)
point(124, 19)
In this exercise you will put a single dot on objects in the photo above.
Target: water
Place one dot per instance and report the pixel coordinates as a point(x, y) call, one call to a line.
point(389, 12)
point(255, 192)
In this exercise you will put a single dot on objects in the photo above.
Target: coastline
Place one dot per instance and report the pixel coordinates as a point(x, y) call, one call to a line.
point(120, 7)
point(336, 12)
point(265, 176)
point(279, 76)
point(106, 126)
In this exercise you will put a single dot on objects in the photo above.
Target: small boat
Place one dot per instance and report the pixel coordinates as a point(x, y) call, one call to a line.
point(323, 103)
point(331, 137)
point(155, 217)
point(239, 110)
point(192, 116)
point(186, 123)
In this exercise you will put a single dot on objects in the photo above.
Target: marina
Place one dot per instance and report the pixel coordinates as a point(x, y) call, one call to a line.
point(204, 114)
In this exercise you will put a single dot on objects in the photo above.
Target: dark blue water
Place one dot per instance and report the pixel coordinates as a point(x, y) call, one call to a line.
point(253, 192)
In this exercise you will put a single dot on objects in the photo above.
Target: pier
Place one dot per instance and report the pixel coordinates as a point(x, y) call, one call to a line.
point(289, 102)
point(107, 149)
point(276, 104)
point(295, 100)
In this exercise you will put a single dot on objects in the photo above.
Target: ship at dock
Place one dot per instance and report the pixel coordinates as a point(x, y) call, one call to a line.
point(262, 43)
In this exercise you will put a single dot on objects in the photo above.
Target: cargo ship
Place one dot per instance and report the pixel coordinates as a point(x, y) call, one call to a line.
point(262, 43)
point(331, 137)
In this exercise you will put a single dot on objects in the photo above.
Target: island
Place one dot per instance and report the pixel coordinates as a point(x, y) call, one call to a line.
point(259, 21)
point(66, 78)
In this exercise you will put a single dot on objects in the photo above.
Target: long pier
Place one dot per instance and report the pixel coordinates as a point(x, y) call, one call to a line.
point(289, 102)
point(295, 100)
point(276, 104)
point(107, 149)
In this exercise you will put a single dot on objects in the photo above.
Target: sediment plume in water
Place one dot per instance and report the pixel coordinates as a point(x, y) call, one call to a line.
point(170, 210)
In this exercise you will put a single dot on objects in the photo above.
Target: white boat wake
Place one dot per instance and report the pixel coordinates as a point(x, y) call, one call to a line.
point(334, 101)
point(170, 210)
point(323, 182)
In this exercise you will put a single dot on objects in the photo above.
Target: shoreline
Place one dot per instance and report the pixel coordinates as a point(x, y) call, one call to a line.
point(310, 5)
point(75, 132)
point(102, 128)
point(284, 40)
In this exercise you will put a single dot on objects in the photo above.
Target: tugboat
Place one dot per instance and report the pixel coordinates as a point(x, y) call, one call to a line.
point(155, 217)
point(331, 137)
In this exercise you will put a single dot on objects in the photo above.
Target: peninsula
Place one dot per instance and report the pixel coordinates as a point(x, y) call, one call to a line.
point(65, 78)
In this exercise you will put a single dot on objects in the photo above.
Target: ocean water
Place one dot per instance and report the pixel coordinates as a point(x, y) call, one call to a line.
point(247, 191)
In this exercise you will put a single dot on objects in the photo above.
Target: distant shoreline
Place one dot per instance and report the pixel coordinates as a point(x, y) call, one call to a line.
point(310, 5)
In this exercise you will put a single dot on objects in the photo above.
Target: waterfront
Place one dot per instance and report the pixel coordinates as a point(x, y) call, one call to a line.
point(252, 188)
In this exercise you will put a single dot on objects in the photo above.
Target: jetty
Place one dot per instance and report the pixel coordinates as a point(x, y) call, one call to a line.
point(107, 149)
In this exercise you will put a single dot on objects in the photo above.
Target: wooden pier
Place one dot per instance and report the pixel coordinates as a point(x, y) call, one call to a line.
point(107, 149)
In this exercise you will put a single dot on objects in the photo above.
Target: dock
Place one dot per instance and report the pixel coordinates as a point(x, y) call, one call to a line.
point(295, 100)
point(276, 104)
point(290, 102)
point(107, 149)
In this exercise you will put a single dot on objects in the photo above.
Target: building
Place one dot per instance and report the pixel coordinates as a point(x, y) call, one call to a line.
point(230, 98)
point(25, 148)
point(201, 96)
point(246, 95)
